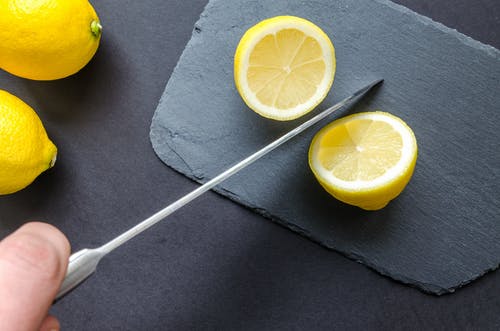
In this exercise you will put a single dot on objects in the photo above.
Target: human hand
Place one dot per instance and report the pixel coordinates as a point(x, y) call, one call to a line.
point(33, 262)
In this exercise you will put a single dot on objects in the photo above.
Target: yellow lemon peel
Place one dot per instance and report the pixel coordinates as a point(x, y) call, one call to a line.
point(47, 39)
point(25, 149)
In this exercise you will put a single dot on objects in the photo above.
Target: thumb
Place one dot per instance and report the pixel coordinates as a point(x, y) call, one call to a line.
point(33, 262)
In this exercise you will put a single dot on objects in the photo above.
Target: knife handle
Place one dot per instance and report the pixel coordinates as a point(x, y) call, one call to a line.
point(81, 266)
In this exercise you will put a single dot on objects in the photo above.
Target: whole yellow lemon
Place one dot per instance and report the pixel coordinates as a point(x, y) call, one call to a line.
point(25, 149)
point(47, 39)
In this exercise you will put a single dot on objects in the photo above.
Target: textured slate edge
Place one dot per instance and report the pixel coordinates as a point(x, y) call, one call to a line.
point(466, 40)
point(424, 287)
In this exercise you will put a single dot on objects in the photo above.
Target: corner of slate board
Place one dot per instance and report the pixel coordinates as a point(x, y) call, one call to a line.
point(443, 231)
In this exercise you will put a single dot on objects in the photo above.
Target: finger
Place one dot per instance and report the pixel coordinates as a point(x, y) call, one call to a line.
point(50, 323)
point(33, 262)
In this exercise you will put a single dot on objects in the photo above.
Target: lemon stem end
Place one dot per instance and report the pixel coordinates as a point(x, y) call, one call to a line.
point(53, 161)
point(96, 28)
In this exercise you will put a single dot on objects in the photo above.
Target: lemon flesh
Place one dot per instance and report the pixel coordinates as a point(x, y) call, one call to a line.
point(284, 67)
point(365, 159)
point(25, 149)
point(47, 39)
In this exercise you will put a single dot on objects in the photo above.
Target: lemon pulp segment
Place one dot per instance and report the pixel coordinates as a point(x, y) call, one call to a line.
point(285, 69)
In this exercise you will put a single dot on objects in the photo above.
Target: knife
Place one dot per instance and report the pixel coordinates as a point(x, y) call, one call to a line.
point(83, 263)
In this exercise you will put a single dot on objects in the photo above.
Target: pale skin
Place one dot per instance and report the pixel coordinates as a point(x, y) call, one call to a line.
point(33, 262)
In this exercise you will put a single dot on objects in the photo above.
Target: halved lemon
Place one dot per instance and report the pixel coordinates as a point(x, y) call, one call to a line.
point(284, 67)
point(365, 159)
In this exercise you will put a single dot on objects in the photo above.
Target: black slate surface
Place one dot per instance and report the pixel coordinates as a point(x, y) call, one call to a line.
point(213, 265)
point(444, 230)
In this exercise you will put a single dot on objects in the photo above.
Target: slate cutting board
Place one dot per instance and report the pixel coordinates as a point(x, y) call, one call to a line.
point(444, 230)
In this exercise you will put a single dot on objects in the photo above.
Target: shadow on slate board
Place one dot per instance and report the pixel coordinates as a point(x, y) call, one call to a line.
point(443, 231)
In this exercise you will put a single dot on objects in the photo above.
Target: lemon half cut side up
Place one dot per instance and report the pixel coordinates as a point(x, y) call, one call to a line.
point(365, 159)
point(284, 67)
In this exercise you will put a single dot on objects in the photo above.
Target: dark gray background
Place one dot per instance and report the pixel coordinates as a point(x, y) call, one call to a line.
point(214, 264)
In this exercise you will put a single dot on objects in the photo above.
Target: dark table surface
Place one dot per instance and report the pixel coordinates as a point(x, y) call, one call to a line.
point(214, 264)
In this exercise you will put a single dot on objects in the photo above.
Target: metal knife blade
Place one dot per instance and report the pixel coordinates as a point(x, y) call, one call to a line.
point(83, 263)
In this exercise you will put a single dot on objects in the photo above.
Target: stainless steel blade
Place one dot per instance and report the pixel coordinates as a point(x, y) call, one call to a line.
point(84, 262)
